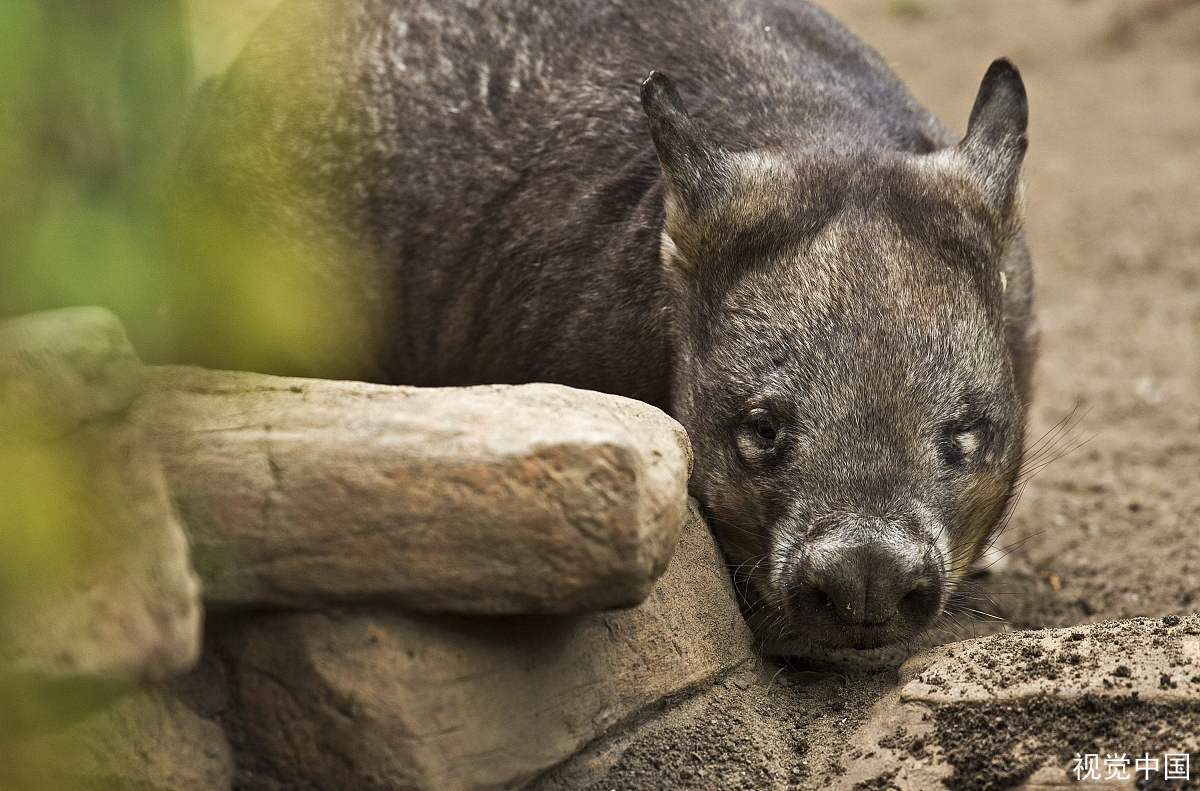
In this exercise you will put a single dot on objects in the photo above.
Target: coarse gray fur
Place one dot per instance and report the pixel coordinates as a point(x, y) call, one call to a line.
point(781, 248)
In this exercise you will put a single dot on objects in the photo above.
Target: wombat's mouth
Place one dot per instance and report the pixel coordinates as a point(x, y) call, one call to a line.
point(779, 633)
point(860, 585)
point(878, 635)
point(892, 655)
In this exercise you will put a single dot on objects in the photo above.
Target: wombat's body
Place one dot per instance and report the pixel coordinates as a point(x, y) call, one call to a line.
point(811, 248)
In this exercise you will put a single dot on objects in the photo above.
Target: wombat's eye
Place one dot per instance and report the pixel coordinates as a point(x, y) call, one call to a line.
point(961, 441)
point(764, 427)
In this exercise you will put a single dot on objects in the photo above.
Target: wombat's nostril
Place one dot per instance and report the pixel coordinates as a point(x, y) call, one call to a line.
point(921, 604)
point(847, 600)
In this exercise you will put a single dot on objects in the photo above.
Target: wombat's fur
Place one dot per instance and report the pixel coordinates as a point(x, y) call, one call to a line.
point(804, 267)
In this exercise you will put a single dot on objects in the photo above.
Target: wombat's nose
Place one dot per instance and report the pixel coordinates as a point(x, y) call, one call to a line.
point(869, 583)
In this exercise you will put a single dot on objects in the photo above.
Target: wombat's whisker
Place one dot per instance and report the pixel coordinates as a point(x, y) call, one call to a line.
point(989, 602)
point(973, 617)
point(1072, 441)
point(1063, 441)
point(968, 588)
point(1016, 544)
point(1011, 502)
point(975, 593)
point(1027, 475)
point(962, 599)
point(981, 614)
point(750, 574)
point(1009, 549)
point(948, 625)
point(725, 522)
point(772, 681)
point(1054, 429)
point(755, 560)
point(1063, 426)
point(1010, 505)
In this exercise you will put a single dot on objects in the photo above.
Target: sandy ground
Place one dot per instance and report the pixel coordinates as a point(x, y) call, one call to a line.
point(1109, 522)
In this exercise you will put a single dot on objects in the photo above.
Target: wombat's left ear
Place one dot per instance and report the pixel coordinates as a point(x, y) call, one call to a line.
point(994, 147)
point(695, 168)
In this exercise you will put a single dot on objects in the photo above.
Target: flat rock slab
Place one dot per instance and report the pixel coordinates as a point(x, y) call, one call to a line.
point(148, 741)
point(483, 500)
point(96, 587)
point(379, 700)
point(1015, 709)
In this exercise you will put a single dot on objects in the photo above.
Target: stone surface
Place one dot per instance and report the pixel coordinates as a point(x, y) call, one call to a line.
point(146, 742)
point(67, 367)
point(483, 500)
point(128, 607)
point(96, 586)
point(379, 700)
point(1013, 710)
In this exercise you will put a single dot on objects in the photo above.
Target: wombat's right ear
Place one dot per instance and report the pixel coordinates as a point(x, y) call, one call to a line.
point(994, 147)
point(694, 167)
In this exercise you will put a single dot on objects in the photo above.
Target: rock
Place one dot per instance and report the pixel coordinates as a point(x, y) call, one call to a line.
point(148, 741)
point(67, 367)
point(483, 500)
point(96, 587)
point(380, 700)
point(1015, 709)
point(129, 608)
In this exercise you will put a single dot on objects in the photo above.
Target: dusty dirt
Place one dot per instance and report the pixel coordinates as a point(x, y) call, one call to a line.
point(1108, 525)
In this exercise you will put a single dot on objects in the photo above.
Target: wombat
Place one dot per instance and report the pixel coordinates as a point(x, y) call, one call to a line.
point(776, 244)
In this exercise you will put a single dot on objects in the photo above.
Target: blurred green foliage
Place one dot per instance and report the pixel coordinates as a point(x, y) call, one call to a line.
point(94, 94)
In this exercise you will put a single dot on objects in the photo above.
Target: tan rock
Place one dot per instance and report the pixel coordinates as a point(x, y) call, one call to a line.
point(62, 368)
point(1014, 709)
point(148, 742)
point(483, 500)
point(96, 587)
point(379, 700)
point(123, 604)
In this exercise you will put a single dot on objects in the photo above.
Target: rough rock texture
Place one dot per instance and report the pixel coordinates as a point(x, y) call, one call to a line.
point(96, 586)
point(70, 366)
point(379, 700)
point(1014, 709)
point(485, 500)
point(147, 742)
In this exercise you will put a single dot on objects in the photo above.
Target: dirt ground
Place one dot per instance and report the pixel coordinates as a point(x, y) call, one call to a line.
point(1109, 522)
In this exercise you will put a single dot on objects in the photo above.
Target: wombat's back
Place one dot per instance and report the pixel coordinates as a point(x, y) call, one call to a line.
point(489, 164)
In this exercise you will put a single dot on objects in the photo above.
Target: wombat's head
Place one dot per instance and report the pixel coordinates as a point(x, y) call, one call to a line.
point(843, 373)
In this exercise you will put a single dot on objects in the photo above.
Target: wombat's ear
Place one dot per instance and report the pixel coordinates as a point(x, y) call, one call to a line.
point(994, 147)
point(694, 167)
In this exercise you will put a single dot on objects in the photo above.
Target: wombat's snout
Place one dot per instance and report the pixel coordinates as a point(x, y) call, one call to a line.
point(867, 581)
